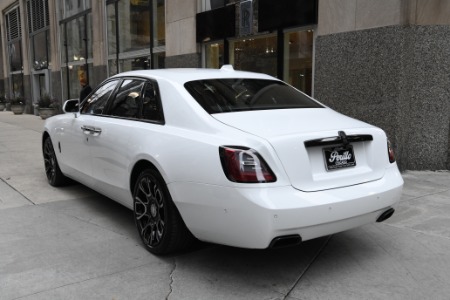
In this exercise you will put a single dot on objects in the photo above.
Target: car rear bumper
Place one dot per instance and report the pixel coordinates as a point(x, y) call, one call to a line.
point(253, 217)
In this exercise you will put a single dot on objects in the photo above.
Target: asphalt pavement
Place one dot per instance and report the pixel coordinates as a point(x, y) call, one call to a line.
point(72, 243)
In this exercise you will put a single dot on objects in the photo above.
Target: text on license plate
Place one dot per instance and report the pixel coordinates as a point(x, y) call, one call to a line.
point(339, 157)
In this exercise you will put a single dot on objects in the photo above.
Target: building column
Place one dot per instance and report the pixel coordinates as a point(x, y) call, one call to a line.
point(181, 46)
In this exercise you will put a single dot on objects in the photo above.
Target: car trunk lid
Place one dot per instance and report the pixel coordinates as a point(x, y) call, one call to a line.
point(305, 139)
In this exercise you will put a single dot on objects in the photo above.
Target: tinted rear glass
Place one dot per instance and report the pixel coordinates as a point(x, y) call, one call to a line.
point(229, 95)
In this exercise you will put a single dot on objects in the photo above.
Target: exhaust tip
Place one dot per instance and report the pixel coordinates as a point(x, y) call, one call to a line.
point(386, 215)
point(285, 241)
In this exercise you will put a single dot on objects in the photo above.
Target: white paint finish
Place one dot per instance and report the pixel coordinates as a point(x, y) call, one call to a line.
point(186, 152)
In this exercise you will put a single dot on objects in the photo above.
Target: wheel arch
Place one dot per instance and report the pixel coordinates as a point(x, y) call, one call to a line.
point(138, 167)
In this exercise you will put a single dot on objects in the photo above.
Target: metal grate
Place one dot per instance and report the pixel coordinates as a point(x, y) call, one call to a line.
point(38, 15)
point(13, 23)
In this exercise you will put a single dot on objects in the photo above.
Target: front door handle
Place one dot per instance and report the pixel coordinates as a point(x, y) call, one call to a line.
point(91, 130)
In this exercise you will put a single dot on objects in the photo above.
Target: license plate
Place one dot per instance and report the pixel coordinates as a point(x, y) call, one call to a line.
point(339, 157)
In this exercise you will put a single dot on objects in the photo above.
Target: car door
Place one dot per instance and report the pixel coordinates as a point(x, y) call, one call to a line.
point(80, 131)
point(121, 130)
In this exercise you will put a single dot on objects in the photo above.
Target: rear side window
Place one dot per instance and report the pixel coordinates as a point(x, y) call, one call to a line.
point(229, 95)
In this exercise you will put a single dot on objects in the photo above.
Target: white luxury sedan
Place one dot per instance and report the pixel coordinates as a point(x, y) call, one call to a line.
point(223, 156)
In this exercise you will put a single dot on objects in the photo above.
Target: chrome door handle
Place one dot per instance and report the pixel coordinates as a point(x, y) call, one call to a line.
point(91, 130)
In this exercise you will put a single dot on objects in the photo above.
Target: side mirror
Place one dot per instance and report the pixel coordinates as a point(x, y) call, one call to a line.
point(71, 106)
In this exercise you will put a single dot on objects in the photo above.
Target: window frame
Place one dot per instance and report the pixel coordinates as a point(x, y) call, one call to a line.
point(109, 103)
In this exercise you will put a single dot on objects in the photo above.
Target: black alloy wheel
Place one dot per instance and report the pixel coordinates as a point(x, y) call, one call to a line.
point(158, 221)
point(54, 175)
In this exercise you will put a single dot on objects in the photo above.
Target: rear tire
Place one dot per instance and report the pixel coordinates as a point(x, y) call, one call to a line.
point(54, 175)
point(157, 219)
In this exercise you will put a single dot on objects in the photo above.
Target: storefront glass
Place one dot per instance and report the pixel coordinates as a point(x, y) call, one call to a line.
point(15, 55)
point(214, 55)
point(79, 39)
point(131, 34)
point(17, 84)
point(134, 25)
point(76, 43)
point(298, 59)
point(71, 79)
point(255, 54)
point(40, 50)
point(73, 7)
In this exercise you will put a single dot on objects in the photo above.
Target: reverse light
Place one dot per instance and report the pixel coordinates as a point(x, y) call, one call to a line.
point(245, 165)
point(390, 152)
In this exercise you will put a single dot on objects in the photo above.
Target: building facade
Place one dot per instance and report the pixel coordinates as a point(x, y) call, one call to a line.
point(386, 62)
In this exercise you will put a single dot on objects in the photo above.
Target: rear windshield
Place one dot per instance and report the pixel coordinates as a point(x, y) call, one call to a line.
point(229, 95)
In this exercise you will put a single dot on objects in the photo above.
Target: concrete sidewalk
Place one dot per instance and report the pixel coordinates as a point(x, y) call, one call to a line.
point(72, 243)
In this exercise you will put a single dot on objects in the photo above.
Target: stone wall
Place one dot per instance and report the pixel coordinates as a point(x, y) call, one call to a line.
point(394, 77)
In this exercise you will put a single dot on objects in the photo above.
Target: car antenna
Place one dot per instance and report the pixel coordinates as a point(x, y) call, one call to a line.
point(227, 68)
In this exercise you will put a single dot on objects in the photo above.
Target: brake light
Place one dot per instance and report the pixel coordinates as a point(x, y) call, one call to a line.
point(245, 165)
point(390, 152)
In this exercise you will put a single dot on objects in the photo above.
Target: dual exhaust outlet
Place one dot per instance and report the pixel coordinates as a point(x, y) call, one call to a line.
point(295, 239)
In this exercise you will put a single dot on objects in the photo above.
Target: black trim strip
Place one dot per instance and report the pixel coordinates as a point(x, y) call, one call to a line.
point(337, 140)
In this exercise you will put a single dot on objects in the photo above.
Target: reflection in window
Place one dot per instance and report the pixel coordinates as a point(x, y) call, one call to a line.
point(71, 78)
point(255, 54)
point(96, 103)
point(73, 7)
point(128, 101)
point(136, 30)
point(134, 25)
point(151, 109)
point(14, 44)
point(38, 28)
point(76, 42)
point(298, 60)
point(15, 56)
point(214, 55)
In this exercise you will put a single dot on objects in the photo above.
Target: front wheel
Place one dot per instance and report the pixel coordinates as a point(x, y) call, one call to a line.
point(54, 175)
point(157, 219)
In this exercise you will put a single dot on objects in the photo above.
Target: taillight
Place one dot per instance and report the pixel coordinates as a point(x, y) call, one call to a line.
point(390, 152)
point(245, 165)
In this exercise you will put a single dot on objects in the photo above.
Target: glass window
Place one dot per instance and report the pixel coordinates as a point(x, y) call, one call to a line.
point(112, 29)
point(17, 84)
point(298, 60)
point(255, 54)
point(132, 31)
point(128, 100)
point(71, 79)
point(72, 7)
point(134, 25)
point(229, 95)
point(76, 54)
point(40, 48)
point(74, 41)
point(15, 55)
point(159, 60)
point(151, 108)
point(159, 31)
point(214, 55)
point(97, 102)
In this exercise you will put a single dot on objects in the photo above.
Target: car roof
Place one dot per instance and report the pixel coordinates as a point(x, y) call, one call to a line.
point(183, 75)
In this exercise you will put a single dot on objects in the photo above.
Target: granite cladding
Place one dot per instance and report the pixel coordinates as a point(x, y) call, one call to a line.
point(397, 78)
point(192, 60)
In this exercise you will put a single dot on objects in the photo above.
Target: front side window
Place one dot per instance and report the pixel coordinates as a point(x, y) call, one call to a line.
point(241, 94)
point(95, 104)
